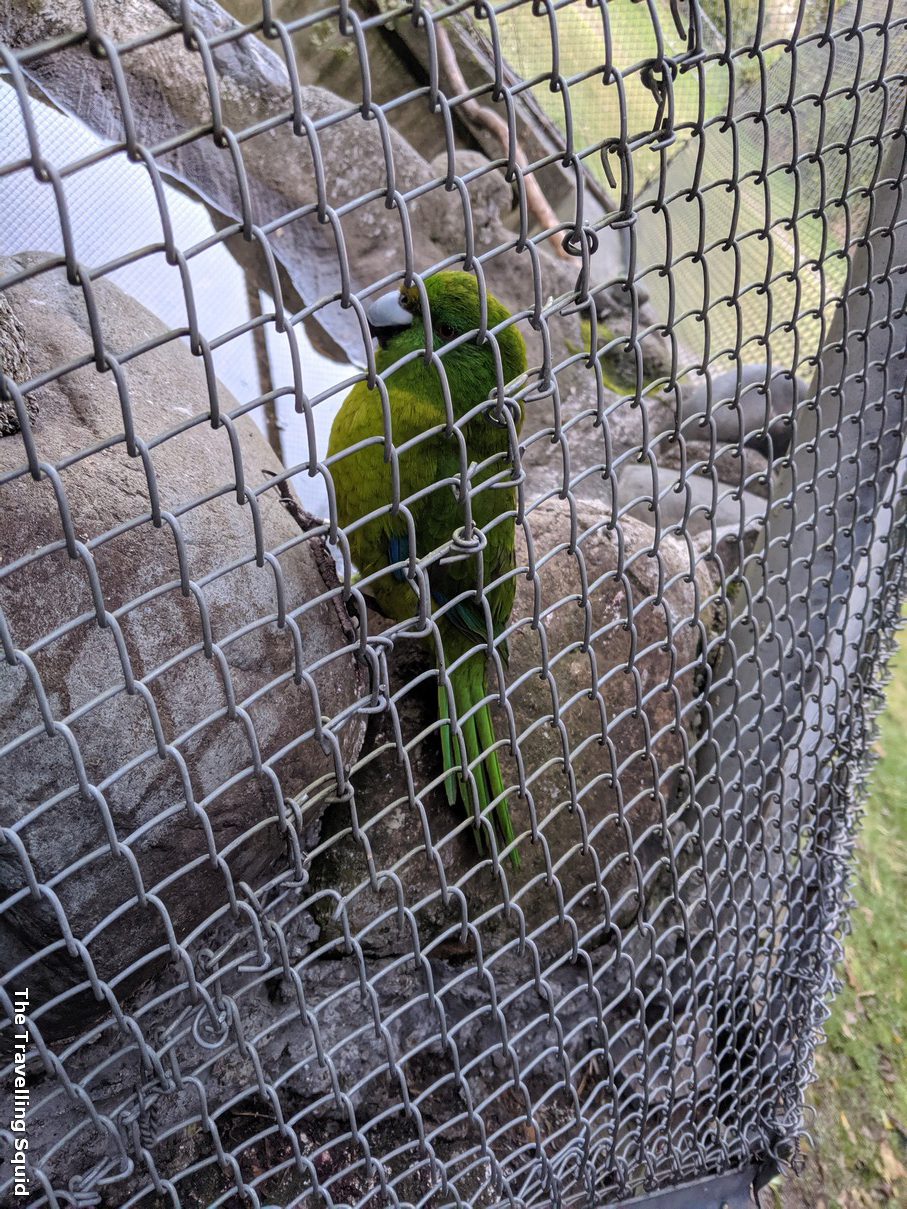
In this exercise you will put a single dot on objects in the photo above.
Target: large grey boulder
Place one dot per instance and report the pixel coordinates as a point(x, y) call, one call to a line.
point(745, 468)
point(159, 711)
point(689, 499)
point(490, 199)
point(746, 404)
point(595, 906)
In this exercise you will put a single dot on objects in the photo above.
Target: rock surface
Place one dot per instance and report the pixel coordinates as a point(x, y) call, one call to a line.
point(15, 366)
point(569, 443)
point(155, 734)
point(634, 349)
point(692, 502)
point(742, 406)
point(490, 199)
point(591, 824)
point(748, 469)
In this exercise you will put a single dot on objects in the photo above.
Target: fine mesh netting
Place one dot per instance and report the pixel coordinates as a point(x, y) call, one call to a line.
point(452, 496)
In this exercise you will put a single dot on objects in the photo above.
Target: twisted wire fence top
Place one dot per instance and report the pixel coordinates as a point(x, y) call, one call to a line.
point(259, 951)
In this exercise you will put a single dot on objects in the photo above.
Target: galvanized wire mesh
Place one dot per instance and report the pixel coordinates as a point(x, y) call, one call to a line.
point(251, 954)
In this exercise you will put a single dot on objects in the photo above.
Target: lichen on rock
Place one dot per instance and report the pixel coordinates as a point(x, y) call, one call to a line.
point(15, 367)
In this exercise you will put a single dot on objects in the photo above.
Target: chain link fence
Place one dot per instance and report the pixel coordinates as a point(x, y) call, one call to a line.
point(429, 768)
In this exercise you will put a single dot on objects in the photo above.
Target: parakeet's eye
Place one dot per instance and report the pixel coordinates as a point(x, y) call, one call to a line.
point(445, 331)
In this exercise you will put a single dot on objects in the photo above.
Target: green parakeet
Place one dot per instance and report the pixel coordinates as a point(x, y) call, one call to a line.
point(371, 444)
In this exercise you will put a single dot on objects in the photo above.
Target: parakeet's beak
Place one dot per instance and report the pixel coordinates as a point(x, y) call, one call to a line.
point(386, 317)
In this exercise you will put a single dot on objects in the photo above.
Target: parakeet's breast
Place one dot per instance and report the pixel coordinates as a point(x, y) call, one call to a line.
point(370, 478)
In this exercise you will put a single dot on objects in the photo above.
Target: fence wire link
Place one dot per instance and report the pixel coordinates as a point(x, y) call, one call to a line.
point(251, 954)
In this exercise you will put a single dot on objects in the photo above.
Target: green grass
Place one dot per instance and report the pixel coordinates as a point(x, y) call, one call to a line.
point(860, 1099)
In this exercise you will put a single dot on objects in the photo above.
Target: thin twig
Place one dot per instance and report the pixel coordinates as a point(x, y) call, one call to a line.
point(303, 519)
point(538, 204)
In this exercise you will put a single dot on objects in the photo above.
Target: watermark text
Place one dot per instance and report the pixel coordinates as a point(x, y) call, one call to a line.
point(20, 1094)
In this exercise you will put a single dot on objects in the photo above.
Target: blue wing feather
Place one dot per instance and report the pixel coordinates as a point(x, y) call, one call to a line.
point(468, 619)
point(398, 551)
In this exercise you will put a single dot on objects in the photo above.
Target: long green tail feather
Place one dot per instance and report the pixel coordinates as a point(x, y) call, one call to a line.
point(450, 781)
point(469, 686)
point(492, 767)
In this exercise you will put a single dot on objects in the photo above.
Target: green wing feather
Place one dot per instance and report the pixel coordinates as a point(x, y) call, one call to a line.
point(468, 682)
point(463, 629)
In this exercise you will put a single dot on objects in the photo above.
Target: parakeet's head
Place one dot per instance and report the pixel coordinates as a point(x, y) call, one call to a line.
point(397, 321)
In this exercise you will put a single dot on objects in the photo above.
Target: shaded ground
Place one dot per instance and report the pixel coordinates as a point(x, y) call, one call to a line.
point(859, 1102)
